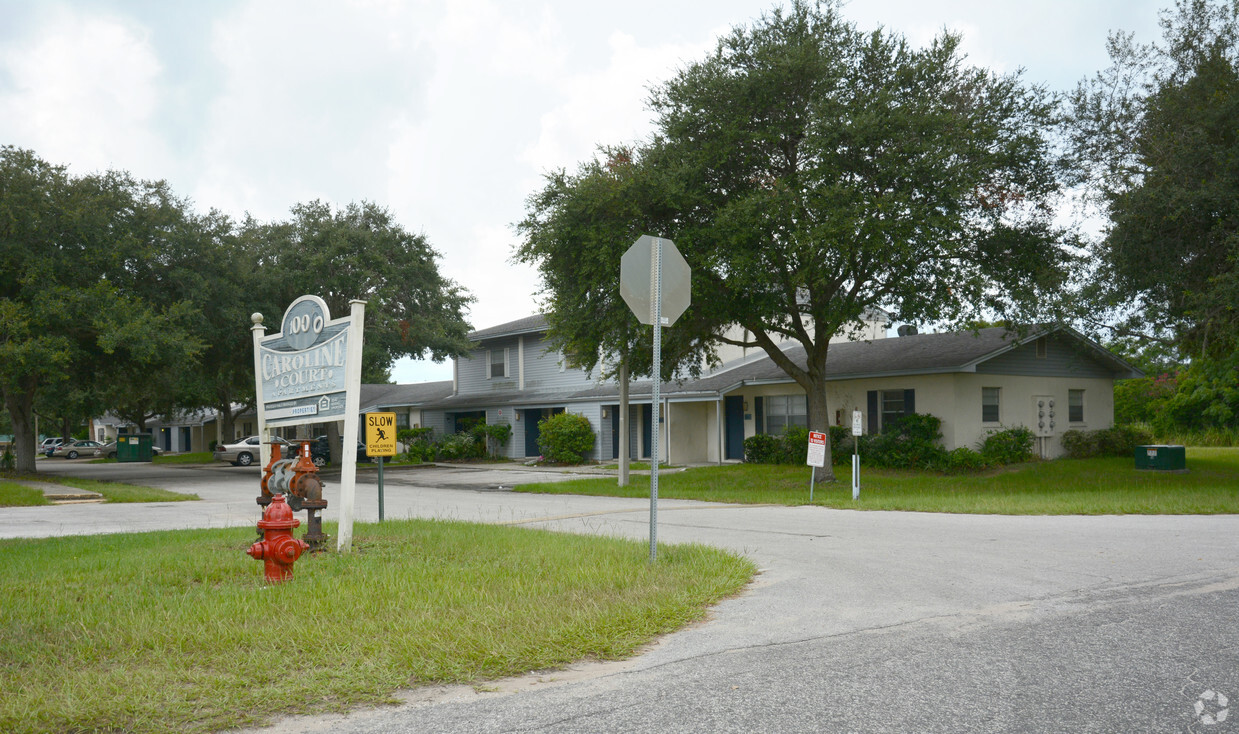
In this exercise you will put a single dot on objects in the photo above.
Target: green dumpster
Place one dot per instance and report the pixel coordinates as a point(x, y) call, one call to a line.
point(133, 447)
point(1161, 458)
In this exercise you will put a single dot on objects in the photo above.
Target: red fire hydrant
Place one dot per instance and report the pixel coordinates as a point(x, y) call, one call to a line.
point(278, 547)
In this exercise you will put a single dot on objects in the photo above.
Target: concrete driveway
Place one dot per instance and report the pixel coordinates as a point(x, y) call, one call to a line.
point(859, 621)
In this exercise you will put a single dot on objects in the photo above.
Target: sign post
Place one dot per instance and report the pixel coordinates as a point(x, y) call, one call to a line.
point(856, 431)
point(380, 442)
point(655, 282)
point(816, 457)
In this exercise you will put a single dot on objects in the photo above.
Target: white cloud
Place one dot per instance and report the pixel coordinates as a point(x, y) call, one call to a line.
point(84, 90)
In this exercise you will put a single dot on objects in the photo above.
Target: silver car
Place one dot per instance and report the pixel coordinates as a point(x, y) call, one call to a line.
point(245, 451)
point(74, 449)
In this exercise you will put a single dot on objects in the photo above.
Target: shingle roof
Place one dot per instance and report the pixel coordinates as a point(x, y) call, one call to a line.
point(375, 396)
point(527, 325)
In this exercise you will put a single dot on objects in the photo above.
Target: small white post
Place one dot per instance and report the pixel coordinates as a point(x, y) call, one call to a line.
point(264, 436)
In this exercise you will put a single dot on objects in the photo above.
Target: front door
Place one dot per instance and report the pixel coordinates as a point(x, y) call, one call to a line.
point(733, 418)
point(615, 437)
point(531, 416)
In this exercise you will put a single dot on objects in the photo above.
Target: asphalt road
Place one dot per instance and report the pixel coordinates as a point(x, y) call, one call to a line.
point(859, 621)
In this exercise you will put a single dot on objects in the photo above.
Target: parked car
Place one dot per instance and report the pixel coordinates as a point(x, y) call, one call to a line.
point(244, 451)
point(108, 450)
point(74, 449)
point(321, 455)
point(49, 445)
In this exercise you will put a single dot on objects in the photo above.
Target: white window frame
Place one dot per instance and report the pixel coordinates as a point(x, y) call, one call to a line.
point(997, 404)
point(791, 409)
point(1070, 394)
point(490, 363)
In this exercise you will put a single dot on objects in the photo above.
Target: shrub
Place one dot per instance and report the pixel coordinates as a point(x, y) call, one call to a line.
point(911, 443)
point(457, 446)
point(794, 445)
point(1008, 446)
point(1122, 440)
point(565, 438)
point(419, 444)
point(761, 448)
point(963, 459)
point(496, 436)
point(1116, 441)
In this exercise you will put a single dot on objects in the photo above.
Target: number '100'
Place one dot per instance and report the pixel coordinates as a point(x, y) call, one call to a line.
point(304, 323)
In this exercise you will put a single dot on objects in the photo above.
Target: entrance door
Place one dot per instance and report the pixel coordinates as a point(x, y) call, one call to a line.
point(647, 433)
point(615, 437)
point(531, 418)
point(733, 418)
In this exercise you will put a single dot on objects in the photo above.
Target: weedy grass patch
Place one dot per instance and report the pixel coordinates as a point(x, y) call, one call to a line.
point(176, 631)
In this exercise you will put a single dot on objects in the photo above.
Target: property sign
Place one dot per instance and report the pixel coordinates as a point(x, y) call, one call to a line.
point(310, 372)
point(301, 368)
point(817, 449)
point(856, 423)
point(380, 434)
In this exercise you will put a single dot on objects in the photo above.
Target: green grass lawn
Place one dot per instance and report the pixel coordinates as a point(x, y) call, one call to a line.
point(1060, 487)
point(13, 494)
point(176, 631)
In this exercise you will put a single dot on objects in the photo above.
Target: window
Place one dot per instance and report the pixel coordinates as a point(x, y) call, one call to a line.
point(402, 420)
point(886, 407)
point(1041, 348)
point(1075, 406)
point(989, 404)
point(785, 410)
point(499, 363)
point(892, 407)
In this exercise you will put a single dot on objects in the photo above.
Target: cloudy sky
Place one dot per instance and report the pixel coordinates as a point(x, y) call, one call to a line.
point(446, 112)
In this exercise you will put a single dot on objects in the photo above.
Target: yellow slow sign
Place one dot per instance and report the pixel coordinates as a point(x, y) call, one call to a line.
point(380, 434)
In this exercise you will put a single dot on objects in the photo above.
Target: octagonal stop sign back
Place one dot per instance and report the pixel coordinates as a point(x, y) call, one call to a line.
point(637, 280)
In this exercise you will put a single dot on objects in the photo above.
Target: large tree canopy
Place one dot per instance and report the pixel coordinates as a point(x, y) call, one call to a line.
point(78, 325)
point(116, 297)
point(1156, 136)
point(809, 171)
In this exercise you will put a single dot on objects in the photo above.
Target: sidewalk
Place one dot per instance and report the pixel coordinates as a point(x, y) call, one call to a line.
point(60, 494)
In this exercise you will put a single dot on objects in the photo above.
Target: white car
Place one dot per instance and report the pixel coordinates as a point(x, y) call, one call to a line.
point(243, 452)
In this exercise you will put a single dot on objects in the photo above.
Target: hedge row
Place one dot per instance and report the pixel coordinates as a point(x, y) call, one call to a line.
point(913, 442)
point(563, 438)
point(1116, 441)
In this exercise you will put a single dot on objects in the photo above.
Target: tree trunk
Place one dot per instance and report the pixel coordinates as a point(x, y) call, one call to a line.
point(819, 420)
point(21, 410)
point(335, 445)
point(224, 424)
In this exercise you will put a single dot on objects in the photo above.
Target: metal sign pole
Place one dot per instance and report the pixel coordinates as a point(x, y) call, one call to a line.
point(380, 489)
point(856, 431)
point(656, 305)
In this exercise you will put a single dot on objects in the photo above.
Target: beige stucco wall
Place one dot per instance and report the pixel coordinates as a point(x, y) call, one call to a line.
point(693, 433)
point(956, 399)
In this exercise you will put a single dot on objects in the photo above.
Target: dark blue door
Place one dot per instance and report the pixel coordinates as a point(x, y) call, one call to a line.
point(531, 418)
point(646, 431)
point(615, 437)
point(733, 417)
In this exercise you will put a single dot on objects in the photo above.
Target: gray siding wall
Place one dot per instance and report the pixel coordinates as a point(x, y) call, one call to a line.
point(437, 420)
point(542, 368)
point(1060, 360)
point(474, 369)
